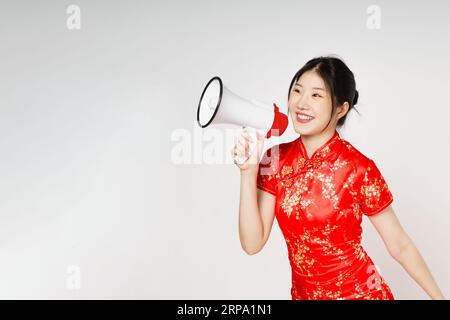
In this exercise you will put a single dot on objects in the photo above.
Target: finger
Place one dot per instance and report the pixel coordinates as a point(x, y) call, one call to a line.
point(242, 135)
point(239, 158)
point(243, 143)
point(250, 137)
point(233, 151)
point(240, 149)
point(260, 135)
point(245, 136)
point(245, 150)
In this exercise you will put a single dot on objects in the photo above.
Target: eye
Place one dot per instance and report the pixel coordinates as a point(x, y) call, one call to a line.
point(296, 90)
point(316, 94)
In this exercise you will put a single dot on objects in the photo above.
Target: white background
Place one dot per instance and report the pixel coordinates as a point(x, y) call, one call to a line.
point(86, 119)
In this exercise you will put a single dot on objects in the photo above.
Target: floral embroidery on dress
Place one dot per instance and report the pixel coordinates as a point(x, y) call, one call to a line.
point(320, 202)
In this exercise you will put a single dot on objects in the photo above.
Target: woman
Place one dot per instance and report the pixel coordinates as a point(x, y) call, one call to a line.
point(319, 186)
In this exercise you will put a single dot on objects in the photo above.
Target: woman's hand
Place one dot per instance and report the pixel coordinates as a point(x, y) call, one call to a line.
point(242, 149)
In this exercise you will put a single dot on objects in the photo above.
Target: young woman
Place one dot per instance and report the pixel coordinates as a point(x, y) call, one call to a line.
point(319, 186)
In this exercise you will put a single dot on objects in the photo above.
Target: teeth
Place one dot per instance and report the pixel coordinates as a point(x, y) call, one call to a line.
point(303, 117)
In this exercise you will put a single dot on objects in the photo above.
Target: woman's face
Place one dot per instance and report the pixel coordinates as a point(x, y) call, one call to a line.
point(310, 96)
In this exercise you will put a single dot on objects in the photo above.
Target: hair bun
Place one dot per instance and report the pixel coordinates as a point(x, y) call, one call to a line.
point(355, 98)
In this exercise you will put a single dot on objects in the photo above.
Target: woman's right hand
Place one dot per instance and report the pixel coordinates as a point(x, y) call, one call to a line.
point(242, 149)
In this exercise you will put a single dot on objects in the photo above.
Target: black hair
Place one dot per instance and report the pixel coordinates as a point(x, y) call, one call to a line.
point(339, 80)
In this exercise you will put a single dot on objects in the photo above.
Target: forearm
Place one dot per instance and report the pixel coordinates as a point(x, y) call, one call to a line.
point(411, 260)
point(251, 230)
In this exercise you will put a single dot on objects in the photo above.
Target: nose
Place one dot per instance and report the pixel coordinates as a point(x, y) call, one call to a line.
point(301, 103)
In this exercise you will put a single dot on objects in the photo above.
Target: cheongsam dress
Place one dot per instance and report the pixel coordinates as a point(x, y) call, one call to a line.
point(319, 206)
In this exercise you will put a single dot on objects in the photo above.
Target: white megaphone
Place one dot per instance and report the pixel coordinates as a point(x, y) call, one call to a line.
point(219, 105)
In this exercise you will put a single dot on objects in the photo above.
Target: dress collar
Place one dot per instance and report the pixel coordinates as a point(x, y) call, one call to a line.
point(328, 152)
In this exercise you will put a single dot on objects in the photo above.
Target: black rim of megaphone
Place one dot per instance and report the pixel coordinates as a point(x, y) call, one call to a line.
point(218, 102)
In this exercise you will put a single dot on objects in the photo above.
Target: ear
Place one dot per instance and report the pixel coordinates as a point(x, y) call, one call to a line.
point(342, 109)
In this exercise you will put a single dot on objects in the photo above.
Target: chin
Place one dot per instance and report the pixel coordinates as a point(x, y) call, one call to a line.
point(303, 129)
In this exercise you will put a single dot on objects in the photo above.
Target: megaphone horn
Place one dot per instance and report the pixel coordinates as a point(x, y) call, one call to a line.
point(220, 105)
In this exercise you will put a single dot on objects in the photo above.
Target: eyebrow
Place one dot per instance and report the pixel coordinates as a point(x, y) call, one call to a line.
point(297, 84)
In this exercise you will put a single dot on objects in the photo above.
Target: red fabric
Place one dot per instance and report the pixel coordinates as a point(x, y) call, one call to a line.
point(320, 202)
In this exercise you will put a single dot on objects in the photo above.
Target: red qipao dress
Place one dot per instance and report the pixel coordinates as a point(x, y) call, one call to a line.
point(319, 206)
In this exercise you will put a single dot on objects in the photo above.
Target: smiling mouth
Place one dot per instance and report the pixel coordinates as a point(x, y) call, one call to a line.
point(303, 118)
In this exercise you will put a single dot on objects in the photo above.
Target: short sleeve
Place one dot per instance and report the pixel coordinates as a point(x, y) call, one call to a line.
point(268, 171)
point(374, 192)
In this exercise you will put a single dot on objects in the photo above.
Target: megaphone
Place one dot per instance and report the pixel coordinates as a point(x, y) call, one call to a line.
point(220, 105)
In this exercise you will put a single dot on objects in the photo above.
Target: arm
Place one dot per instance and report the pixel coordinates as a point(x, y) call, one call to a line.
point(256, 207)
point(256, 215)
point(403, 250)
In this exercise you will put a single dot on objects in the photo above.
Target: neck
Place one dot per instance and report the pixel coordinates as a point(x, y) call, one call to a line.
point(314, 142)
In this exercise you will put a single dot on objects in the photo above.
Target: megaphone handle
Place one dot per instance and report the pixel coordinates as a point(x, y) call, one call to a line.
point(252, 145)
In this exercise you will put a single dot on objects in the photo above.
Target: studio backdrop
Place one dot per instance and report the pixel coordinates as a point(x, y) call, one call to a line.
point(109, 187)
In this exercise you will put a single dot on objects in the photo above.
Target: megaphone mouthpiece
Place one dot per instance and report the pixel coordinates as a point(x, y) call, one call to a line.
point(280, 123)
